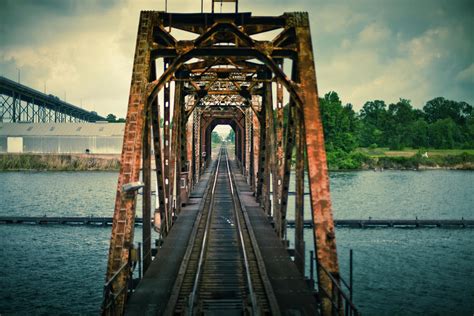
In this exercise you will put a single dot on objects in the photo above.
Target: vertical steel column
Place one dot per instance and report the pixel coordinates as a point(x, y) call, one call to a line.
point(278, 162)
point(299, 198)
point(253, 134)
point(262, 155)
point(124, 214)
point(196, 147)
point(190, 150)
point(288, 145)
point(248, 144)
point(14, 108)
point(166, 146)
point(160, 177)
point(183, 142)
point(270, 145)
point(178, 110)
point(146, 176)
point(323, 223)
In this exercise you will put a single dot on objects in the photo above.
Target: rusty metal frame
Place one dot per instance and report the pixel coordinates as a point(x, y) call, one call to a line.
point(226, 40)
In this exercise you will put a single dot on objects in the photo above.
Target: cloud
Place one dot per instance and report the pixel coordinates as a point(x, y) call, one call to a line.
point(466, 75)
point(365, 50)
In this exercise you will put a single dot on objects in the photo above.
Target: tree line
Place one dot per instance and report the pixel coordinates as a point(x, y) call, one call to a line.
point(440, 124)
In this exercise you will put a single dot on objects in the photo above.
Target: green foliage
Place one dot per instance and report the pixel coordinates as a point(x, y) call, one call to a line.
point(339, 123)
point(231, 136)
point(441, 124)
point(341, 160)
point(111, 118)
point(216, 138)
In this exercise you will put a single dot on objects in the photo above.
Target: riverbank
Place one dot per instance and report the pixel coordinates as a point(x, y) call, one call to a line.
point(59, 162)
point(338, 161)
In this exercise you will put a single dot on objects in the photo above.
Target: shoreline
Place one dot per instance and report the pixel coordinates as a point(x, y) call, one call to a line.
point(59, 162)
point(111, 162)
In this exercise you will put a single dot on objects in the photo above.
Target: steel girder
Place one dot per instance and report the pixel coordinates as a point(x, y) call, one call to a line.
point(19, 103)
point(225, 76)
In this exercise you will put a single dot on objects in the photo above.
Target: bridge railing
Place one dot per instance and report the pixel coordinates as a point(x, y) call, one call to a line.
point(111, 293)
point(341, 301)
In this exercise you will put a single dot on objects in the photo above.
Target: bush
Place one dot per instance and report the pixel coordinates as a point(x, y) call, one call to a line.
point(340, 160)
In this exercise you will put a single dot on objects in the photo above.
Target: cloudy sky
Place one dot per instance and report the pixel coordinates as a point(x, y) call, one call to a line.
point(365, 49)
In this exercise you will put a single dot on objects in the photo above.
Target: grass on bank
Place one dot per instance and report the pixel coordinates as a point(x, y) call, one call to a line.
point(409, 159)
point(11, 162)
point(410, 152)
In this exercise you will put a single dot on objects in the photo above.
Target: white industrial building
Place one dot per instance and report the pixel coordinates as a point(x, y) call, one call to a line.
point(62, 138)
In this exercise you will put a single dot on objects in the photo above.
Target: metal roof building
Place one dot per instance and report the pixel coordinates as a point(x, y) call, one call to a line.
point(94, 138)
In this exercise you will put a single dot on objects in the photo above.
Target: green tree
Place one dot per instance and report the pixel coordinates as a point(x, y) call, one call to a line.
point(111, 118)
point(440, 108)
point(399, 118)
point(231, 136)
point(216, 138)
point(419, 133)
point(373, 116)
point(443, 133)
point(339, 123)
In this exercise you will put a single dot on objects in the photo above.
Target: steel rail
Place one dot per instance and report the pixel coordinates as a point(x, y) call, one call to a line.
point(253, 298)
point(192, 296)
point(274, 308)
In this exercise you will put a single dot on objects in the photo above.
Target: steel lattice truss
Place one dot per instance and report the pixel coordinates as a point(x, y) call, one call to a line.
point(223, 76)
point(19, 103)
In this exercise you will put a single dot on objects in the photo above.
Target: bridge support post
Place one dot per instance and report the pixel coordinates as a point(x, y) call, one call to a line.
point(124, 214)
point(177, 139)
point(146, 176)
point(299, 188)
point(270, 146)
point(323, 223)
point(262, 155)
point(166, 147)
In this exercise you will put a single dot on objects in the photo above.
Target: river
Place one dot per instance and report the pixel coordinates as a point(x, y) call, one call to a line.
point(60, 269)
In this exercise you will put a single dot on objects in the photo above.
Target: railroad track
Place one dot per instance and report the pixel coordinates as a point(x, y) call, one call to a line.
point(220, 273)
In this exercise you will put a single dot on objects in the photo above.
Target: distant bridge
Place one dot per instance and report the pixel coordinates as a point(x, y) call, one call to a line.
point(19, 103)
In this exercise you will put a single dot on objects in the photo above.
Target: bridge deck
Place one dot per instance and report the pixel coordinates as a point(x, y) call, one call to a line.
point(153, 291)
point(156, 288)
point(291, 291)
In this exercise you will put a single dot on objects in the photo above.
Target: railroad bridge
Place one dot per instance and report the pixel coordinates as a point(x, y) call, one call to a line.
point(222, 245)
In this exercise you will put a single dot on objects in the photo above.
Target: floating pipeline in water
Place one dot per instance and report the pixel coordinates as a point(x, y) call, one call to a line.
point(349, 223)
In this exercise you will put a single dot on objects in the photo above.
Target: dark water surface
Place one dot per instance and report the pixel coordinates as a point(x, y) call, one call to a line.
point(60, 269)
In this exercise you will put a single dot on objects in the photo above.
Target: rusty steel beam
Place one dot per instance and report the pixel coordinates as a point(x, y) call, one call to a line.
point(225, 86)
point(299, 188)
point(124, 213)
point(262, 149)
point(175, 157)
point(270, 145)
point(146, 176)
point(167, 170)
point(279, 156)
point(162, 226)
point(196, 145)
point(289, 142)
point(252, 135)
point(324, 232)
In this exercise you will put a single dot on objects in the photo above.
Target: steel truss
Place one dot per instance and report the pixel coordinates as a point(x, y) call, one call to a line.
point(224, 76)
point(19, 103)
